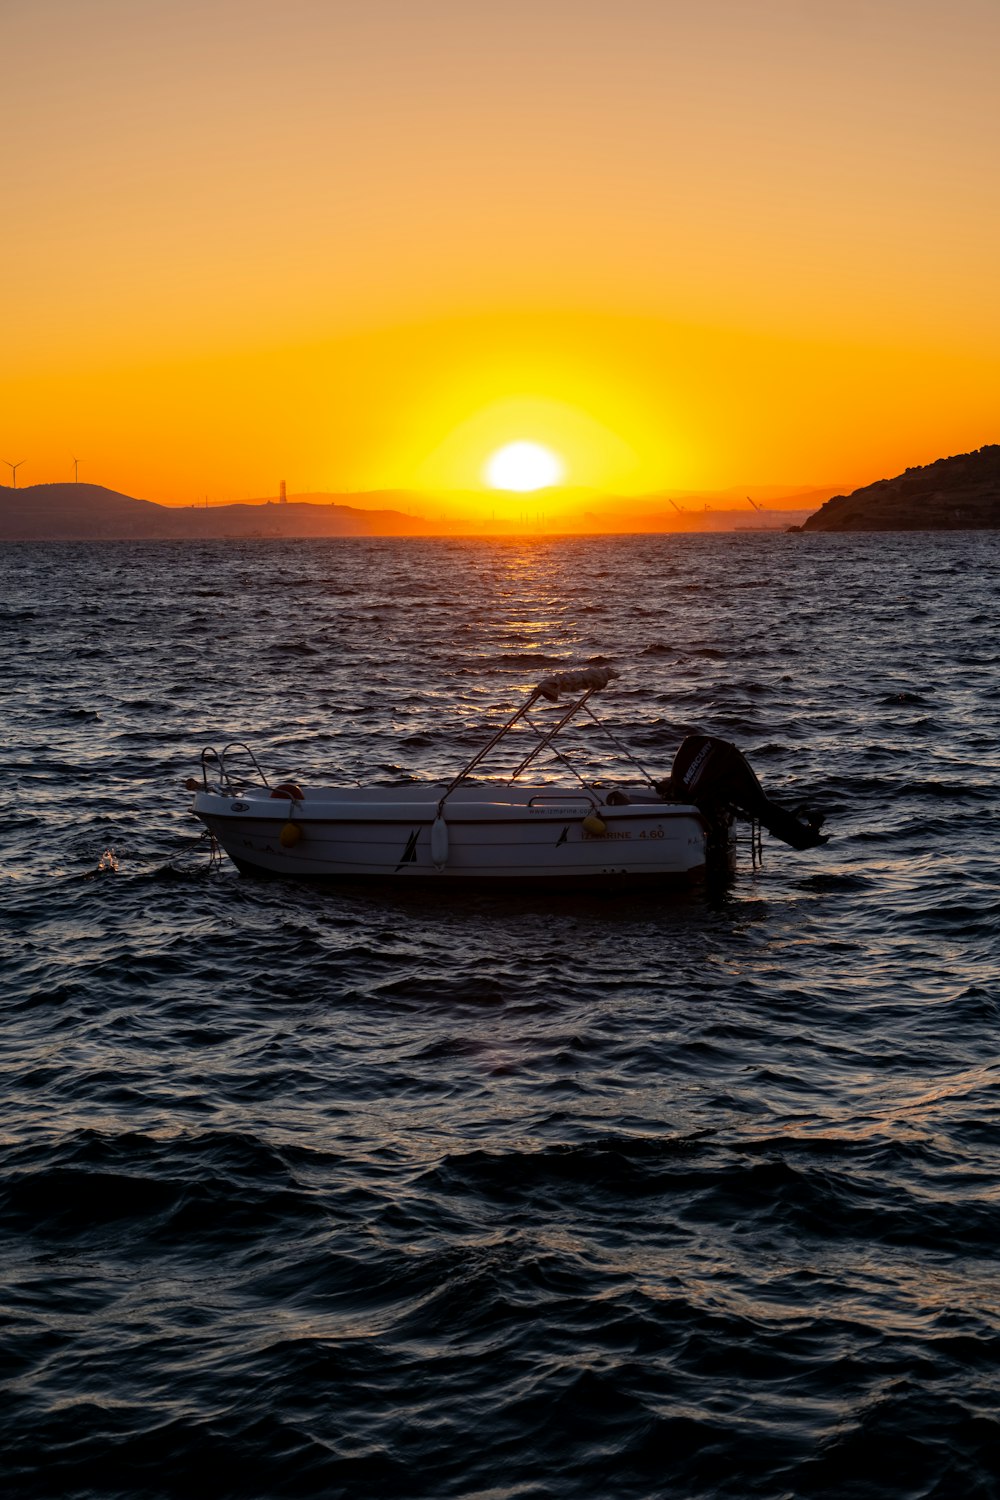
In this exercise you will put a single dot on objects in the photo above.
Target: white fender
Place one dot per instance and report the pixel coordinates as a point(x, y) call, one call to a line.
point(439, 843)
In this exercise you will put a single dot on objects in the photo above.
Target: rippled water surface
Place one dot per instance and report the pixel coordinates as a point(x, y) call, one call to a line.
point(308, 1190)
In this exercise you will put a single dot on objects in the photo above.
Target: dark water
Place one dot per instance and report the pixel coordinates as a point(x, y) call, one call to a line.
point(307, 1191)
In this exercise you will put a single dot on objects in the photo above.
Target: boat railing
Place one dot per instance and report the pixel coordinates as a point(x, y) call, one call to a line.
point(229, 783)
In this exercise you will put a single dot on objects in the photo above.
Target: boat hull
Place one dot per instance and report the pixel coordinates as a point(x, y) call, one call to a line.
point(540, 838)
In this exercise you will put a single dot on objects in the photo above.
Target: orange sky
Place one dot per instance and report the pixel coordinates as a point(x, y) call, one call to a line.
point(363, 245)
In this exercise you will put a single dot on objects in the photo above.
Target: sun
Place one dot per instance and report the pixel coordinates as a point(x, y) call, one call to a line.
point(523, 466)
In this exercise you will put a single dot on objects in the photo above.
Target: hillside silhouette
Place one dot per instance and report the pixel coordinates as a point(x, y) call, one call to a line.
point(953, 494)
point(89, 512)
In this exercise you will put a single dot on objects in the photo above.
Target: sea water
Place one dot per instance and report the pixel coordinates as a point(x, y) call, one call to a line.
point(313, 1190)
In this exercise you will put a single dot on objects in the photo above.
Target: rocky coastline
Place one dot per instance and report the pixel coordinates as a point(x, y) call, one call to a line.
point(961, 493)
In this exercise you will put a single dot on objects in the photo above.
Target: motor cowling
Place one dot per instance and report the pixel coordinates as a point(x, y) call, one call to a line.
point(713, 775)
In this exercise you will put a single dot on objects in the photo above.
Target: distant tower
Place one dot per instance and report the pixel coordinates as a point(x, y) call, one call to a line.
point(282, 497)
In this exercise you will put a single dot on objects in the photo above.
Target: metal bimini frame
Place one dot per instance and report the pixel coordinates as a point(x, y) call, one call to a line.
point(582, 685)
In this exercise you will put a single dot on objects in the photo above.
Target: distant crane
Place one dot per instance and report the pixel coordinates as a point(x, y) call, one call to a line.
point(756, 507)
point(14, 468)
point(678, 508)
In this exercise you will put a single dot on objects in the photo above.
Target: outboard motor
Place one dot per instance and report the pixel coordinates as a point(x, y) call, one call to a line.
point(714, 775)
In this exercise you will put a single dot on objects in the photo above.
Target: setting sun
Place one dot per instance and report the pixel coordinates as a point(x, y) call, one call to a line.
point(522, 275)
point(523, 467)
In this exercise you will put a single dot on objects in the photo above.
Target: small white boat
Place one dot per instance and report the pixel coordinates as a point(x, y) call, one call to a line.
point(586, 833)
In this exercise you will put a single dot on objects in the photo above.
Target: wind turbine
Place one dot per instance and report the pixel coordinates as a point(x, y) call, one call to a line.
point(14, 468)
point(76, 471)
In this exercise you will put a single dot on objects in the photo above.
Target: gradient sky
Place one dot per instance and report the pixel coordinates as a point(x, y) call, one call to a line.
point(361, 245)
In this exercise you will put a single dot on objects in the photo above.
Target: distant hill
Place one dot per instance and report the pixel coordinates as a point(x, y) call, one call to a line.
point(89, 512)
point(953, 494)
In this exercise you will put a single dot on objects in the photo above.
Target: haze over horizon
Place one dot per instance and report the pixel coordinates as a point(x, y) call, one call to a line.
point(80, 510)
point(366, 249)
